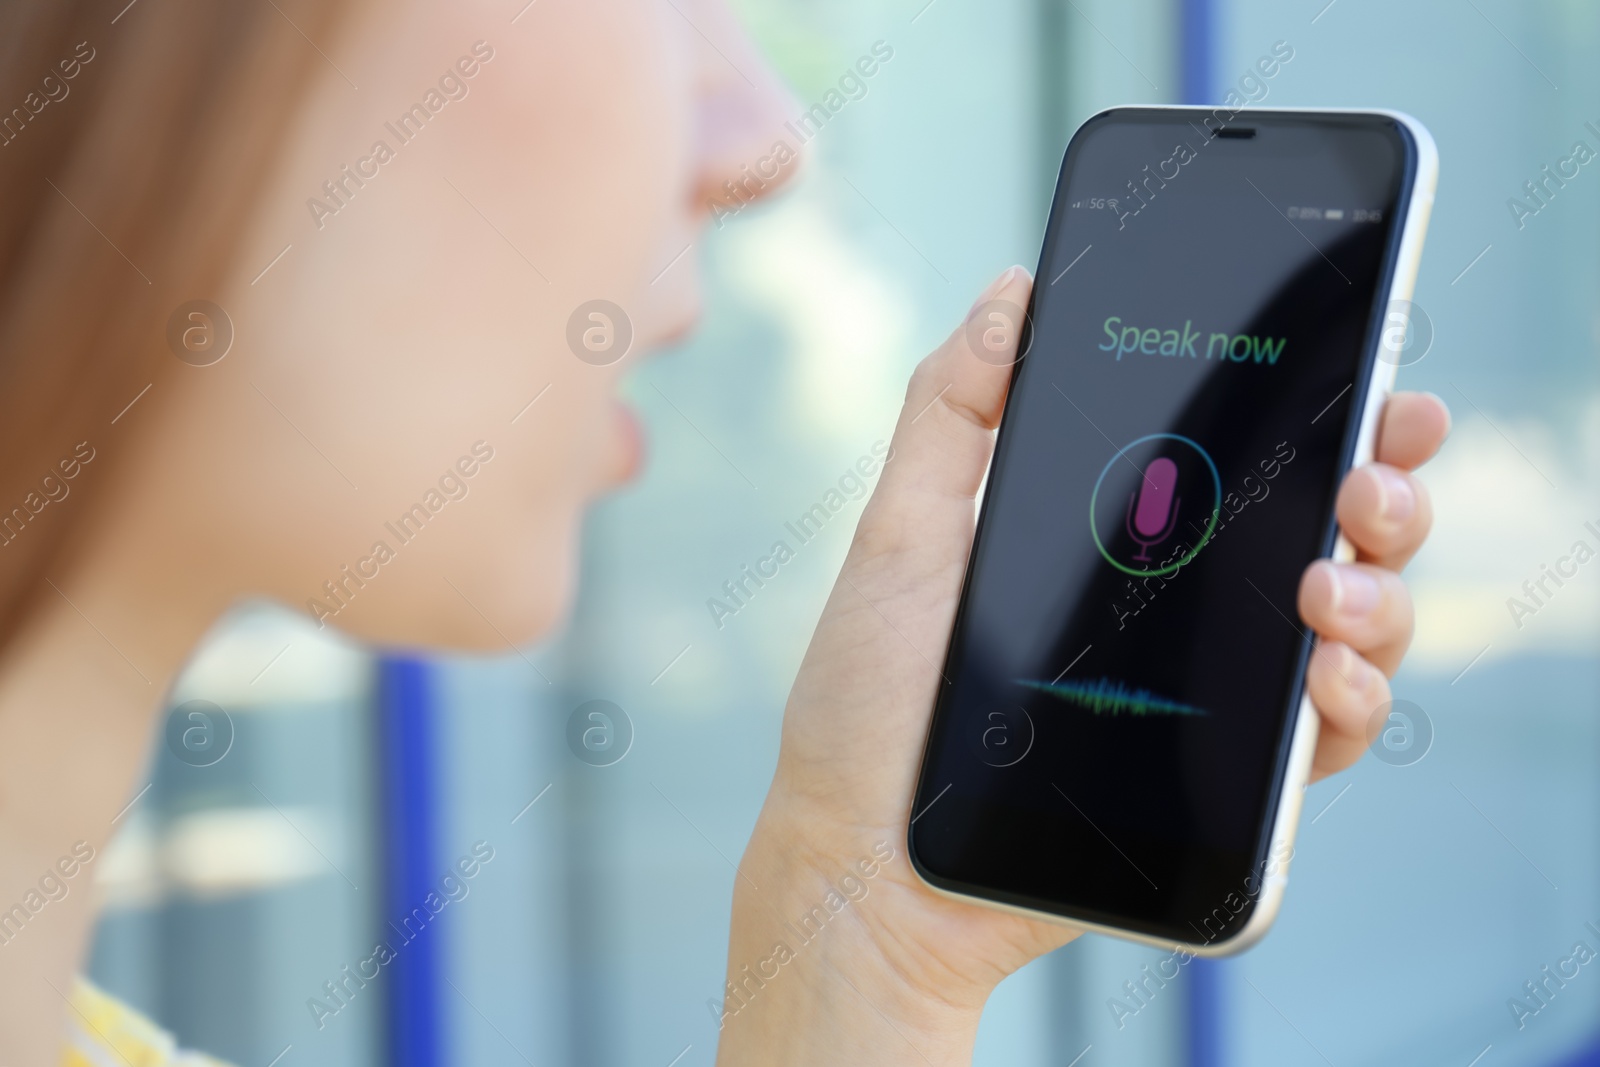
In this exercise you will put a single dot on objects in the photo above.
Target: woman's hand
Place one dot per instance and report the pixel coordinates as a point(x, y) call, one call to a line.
point(839, 955)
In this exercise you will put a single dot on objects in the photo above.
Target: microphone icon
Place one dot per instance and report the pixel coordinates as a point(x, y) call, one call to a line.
point(1153, 507)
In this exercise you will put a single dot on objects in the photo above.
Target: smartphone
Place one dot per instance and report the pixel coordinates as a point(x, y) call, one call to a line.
point(1122, 737)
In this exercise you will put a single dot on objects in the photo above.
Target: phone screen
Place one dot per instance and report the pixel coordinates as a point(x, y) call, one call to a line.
point(1127, 661)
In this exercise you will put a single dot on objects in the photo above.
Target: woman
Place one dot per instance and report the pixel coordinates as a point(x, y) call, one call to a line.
point(400, 210)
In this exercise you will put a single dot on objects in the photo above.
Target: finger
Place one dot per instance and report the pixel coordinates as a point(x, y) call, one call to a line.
point(1413, 427)
point(945, 435)
point(1346, 690)
point(1386, 513)
point(1364, 606)
point(888, 619)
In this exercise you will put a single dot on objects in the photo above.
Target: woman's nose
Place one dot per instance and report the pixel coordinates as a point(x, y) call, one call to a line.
point(745, 149)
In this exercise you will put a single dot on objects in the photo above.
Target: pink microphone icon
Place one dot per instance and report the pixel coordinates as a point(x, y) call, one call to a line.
point(1153, 508)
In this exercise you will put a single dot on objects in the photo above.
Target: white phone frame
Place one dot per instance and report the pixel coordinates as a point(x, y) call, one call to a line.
point(1303, 745)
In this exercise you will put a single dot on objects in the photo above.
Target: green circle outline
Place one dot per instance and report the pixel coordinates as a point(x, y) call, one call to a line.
point(1211, 527)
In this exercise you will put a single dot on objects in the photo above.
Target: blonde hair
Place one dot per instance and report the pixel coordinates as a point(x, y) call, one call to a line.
point(133, 140)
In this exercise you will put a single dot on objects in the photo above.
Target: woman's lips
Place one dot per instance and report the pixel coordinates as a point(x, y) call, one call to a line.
point(628, 437)
point(628, 432)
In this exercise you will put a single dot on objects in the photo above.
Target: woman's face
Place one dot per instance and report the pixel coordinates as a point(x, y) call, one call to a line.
point(422, 394)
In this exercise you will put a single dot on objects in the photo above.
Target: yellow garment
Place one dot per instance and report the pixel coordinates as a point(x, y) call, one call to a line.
point(103, 1032)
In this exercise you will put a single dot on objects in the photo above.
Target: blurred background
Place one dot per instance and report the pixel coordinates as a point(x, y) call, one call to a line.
point(1426, 892)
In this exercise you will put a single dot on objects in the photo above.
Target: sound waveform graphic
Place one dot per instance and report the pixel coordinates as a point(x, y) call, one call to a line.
point(1104, 696)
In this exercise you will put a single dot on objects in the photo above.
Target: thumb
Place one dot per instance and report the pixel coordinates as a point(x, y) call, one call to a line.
point(871, 672)
point(945, 435)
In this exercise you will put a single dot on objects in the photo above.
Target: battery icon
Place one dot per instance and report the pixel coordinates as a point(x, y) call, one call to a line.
point(1334, 213)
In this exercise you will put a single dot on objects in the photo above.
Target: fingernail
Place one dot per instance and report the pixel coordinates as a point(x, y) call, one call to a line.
point(1397, 501)
point(994, 289)
point(1355, 592)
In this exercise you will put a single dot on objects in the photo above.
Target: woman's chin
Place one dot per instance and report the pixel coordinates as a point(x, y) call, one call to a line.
point(464, 614)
